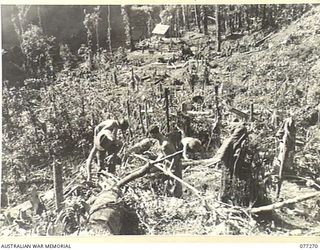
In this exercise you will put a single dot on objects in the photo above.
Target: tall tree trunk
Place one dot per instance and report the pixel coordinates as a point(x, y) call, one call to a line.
point(239, 18)
point(264, 17)
point(197, 19)
point(178, 21)
point(231, 17)
point(149, 24)
point(270, 16)
point(125, 11)
point(97, 34)
point(109, 45)
point(185, 17)
point(204, 19)
point(218, 29)
point(39, 17)
point(247, 17)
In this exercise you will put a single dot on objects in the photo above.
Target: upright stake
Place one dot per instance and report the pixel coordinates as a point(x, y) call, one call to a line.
point(129, 120)
point(133, 81)
point(166, 97)
point(57, 181)
point(160, 89)
point(217, 102)
point(146, 114)
point(115, 78)
point(251, 112)
point(141, 119)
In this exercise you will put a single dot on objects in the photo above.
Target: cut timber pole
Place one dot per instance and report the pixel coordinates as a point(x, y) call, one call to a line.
point(115, 78)
point(216, 88)
point(133, 80)
point(143, 170)
point(57, 181)
point(129, 117)
point(160, 90)
point(251, 112)
point(146, 167)
point(146, 114)
point(284, 203)
point(141, 119)
point(166, 97)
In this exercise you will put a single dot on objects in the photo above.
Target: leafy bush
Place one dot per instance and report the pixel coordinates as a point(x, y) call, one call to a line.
point(38, 49)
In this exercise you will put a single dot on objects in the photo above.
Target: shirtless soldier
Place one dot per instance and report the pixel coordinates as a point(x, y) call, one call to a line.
point(168, 148)
point(105, 142)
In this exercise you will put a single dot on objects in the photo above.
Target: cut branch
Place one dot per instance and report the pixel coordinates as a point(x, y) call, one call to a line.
point(144, 170)
point(284, 203)
point(208, 162)
point(141, 172)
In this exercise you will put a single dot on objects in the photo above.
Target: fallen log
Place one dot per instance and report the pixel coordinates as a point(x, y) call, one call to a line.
point(309, 182)
point(142, 171)
point(239, 113)
point(199, 113)
point(207, 162)
point(283, 203)
point(261, 41)
point(170, 174)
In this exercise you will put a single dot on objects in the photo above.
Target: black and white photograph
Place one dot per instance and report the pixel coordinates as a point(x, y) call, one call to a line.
point(167, 120)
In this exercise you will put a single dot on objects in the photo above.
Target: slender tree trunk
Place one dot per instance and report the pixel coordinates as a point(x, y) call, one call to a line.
point(178, 21)
point(264, 17)
point(109, 45)
point(185, 17)
point(197, 19)
point(150, 24)
point(39, 17)
point(204, 19)
point(270, 16)
point(97, 33)
point(247, 17)
point(256, 10)
point(231, 19)
point(218, 29)
point(239, 19)
point(125, 10)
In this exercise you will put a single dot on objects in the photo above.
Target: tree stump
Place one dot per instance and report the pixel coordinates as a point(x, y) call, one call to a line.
point(237, 181)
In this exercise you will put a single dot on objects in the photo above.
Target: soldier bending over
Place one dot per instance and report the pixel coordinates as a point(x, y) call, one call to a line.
point(174, 187)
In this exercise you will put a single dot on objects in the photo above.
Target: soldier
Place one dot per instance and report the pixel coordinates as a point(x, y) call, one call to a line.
point(190, 144)
point(105, 142)
point(167, 147)
point(113, 126)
